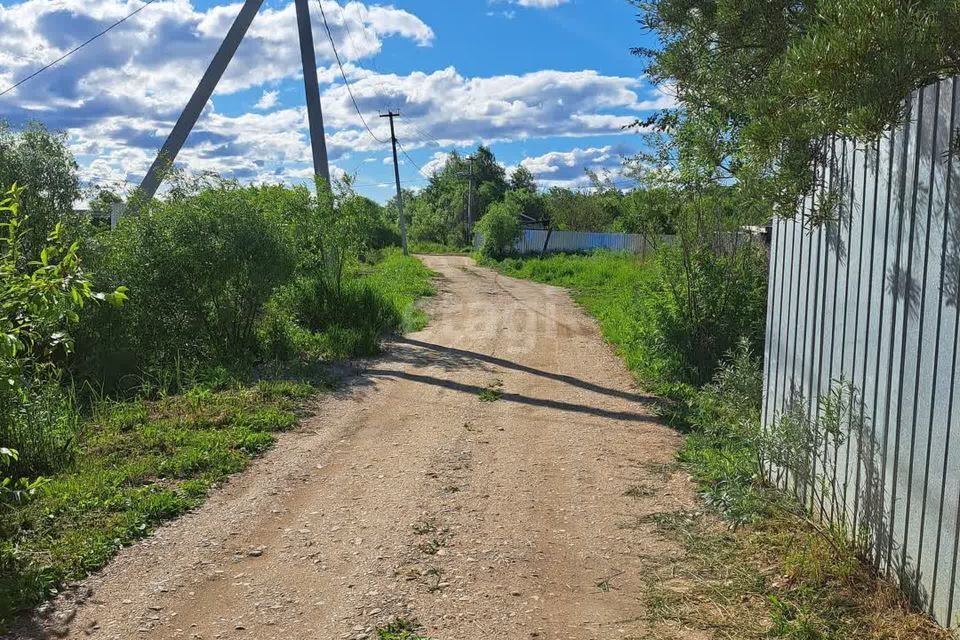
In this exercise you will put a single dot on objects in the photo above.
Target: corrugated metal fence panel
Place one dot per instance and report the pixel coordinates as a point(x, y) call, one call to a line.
point(581, 241)
point(872, 299)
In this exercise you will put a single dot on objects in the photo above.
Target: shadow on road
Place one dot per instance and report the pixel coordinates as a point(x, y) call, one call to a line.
point(453, 358)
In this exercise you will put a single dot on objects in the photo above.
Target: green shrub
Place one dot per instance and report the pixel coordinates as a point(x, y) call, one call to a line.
point(200, 269)
point(702, 303)
point(39, 300)
point(310, 317)
point(500, 228)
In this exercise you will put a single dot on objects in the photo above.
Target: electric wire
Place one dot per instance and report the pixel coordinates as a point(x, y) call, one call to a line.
point(77, 48)
point(373, 60)
point(407, 156)
point(426, 136)
point(343, 74)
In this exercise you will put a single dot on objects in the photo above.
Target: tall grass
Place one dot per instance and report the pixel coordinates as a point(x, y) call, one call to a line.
point(41, 425)
point(314, 318)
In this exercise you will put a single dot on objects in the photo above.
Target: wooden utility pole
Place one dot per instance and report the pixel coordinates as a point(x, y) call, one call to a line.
point(396, 174)
point(311, 86)
point(469, 176)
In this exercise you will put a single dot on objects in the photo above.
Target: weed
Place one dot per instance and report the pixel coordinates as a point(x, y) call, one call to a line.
point(492, 392)
point(436, 574)
point(432, 546)
point(400, 629)
point(424, 527)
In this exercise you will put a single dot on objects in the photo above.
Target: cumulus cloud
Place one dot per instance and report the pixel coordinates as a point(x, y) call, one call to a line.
point(454, 110)
point(119, 97)
point(267, 101)
point(568, 168)
point(435, 163)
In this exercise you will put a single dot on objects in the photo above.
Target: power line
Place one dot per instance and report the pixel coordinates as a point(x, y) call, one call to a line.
point(346, 82)
point(426, 136)
point(77, 48)
point(350, 37)
point(407, 156)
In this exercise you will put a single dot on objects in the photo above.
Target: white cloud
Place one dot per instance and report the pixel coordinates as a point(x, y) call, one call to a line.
point(541, 4)
point(664, 97)
point(267, 101)
point(568, 168)
point(449, 109)
point(435, 163)
point(154, 60)
point(119, 97)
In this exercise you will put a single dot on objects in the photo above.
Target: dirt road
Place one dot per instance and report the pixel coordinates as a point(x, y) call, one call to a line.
point(407, 495)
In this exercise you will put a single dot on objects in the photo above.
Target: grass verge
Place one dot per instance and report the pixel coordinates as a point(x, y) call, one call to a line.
point(139, 464)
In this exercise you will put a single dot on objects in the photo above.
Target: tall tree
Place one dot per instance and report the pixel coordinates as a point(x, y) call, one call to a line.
point(490, 180)
point(522, 180)
point(38, 160)
point(762, 84)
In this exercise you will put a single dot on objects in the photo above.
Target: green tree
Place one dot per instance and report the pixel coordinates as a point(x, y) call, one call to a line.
point(40, 159)
point(392, 212)
point(765, 84)
point(522, 180)
point(570, 210)
point(490, 182)
point(347, 231)
point(500, 228)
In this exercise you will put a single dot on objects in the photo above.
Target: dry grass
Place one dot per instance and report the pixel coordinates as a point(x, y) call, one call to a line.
point(779, 579)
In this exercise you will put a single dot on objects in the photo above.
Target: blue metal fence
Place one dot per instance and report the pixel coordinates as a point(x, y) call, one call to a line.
point(533, 240)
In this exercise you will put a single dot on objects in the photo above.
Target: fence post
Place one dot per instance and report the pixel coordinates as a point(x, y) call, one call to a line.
point(117, 209)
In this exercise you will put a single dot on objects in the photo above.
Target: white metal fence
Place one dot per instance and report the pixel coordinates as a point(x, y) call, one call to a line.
point(873, 299)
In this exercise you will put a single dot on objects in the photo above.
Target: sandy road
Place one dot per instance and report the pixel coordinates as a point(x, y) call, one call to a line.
point(406, 495)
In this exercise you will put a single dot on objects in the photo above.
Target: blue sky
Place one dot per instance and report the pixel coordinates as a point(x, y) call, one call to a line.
point(546, 83)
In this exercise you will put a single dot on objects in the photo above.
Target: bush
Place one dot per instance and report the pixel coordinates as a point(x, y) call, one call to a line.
point(500, 228)
point(702, 303)
point(310, 317)
point(200, 269)
point(38, 304)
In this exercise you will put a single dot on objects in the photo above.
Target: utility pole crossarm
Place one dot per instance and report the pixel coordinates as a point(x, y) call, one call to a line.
point(396, 173)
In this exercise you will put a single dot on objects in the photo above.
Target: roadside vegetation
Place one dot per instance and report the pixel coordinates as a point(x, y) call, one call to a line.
point(143, 365)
